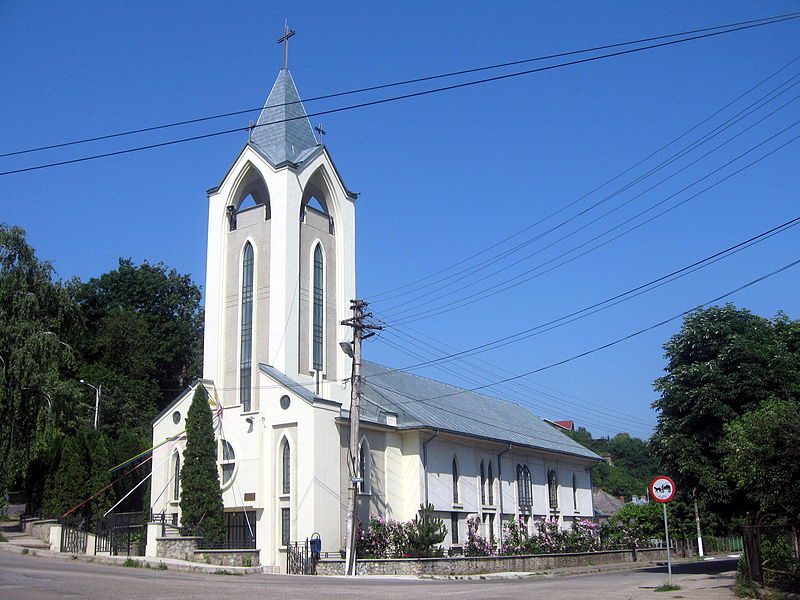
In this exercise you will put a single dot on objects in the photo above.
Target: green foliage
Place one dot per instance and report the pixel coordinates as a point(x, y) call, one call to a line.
point(635, 524)
point(629, 465)
point(667, 587)
point(37, 320)
point(143, 342)
point(725, 362)
point(132, 563)
point(427, 532)
point(763, 455)
point(201, 496)
point(81, 471)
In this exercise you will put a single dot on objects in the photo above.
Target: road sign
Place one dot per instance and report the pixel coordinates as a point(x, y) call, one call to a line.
point(662, 489)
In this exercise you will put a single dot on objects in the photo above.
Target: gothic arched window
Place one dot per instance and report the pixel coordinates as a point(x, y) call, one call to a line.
point(176, 476)
point(246, 351)
point(524, 492)
point(364, 468)
point(286, 468)
point(490, 484)
point(455, 481)
point(552, 487)
point(483, 484)
point(317, 325)
point(574, 493)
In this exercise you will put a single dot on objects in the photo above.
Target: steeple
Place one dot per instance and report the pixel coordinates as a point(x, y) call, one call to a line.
point(289, 136)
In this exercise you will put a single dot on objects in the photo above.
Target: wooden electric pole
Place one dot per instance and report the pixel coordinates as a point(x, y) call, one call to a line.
point(357, 322)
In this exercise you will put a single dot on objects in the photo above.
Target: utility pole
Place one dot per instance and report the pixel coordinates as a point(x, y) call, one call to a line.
point(98, 390)
point(359, 325)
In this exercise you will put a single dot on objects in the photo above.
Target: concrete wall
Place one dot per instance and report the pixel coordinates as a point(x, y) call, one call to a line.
point(463, 565)
point(185, 548)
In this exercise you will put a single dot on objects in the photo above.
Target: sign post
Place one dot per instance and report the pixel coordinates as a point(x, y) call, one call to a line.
point(662, 489)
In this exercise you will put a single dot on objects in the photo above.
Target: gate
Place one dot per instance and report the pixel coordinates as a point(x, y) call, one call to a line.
point(73, 539)
point(300, 560)
point(122, 534)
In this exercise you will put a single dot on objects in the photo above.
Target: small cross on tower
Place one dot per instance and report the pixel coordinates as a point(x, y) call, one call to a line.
point(284, 39)
point(320, 131)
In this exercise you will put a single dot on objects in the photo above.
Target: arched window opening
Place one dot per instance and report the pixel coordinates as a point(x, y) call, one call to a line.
point(364, 468)
point(455, 481)
point(552, 486)
point(318, 316)
point(574, 493)
point(490, 484)
point(247, 202)
point(286, 470)
point(227, 461)
point(483, 484)
point(246, 350)
point(524, 487)
point(176, 478)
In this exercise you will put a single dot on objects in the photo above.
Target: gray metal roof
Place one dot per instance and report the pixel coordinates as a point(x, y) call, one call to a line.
point(285, 140)
point(422, 402)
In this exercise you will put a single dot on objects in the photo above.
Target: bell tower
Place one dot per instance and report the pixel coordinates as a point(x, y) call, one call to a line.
point(280, 268)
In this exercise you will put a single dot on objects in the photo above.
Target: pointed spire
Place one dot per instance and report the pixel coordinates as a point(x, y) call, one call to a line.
point(283, 131)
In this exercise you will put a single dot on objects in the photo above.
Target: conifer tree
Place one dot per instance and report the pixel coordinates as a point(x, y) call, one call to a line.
point(201, 495)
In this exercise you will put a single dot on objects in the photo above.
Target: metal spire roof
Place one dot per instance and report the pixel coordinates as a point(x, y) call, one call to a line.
point(290, 134)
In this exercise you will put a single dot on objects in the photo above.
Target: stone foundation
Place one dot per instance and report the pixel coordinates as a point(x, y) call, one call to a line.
point(474, 565)
point(185, 548)
point(39, 528)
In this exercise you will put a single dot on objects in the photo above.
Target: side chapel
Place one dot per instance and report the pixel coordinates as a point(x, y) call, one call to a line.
point(280, 275)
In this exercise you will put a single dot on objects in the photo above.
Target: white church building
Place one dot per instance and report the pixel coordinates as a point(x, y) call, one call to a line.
point(280, 275)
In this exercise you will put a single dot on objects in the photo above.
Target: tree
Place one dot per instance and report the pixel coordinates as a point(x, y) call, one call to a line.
point(427, 531)
point(763, 455)
point(144, 340)
point(38, 317)
point(201, 496)
point(723, 363)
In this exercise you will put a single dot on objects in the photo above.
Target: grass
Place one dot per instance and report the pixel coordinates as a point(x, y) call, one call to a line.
point(224, 572)
point(130, 562)
point(25, 550)
point(3, 538)
point(668, 588)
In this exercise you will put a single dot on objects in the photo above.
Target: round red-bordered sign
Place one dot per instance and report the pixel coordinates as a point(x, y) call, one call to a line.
point(662, 489)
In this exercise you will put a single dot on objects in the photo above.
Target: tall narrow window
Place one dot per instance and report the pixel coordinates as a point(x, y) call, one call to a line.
point(524, 492)
point(574, 493)
point(453, 528)
point(286, 527)
point(455, 481)
point(364, 468)
point(483, 484)
point(552, 486)
point(490, 485)
point(176, 476)
point(246, 353)
point(287, 466)
point(318, 309)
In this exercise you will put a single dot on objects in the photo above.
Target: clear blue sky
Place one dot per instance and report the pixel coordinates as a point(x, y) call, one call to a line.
point(441, 177)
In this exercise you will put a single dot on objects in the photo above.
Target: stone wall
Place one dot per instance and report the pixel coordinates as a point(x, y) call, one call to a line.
point(473, 565)
point(185, 548)
point(228, 558)
point(39, 528)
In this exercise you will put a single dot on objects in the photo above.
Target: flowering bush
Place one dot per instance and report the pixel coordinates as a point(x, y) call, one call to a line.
point(549, 537)
point(394, 539)
point(476, 544)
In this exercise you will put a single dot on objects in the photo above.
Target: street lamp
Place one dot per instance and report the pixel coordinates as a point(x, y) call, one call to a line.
point(97, 391)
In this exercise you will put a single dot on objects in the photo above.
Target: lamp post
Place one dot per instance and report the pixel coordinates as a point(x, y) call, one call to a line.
point(97, 392)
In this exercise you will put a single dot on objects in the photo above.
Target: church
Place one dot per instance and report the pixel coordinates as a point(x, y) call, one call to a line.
point(280, 276)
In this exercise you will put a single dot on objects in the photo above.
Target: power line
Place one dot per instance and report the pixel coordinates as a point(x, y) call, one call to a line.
point(395, 98)
point(527, 275)
point(377, 298)
point(611, 301)
point(785, 16)
point(480, 266)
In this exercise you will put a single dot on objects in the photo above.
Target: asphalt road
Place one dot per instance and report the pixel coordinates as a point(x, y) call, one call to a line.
point(27, 577)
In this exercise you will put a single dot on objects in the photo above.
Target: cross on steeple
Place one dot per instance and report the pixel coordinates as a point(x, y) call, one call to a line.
point(320, 131)
point(284, 39)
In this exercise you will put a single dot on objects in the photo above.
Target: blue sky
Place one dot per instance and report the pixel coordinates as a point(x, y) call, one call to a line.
point(441, 177)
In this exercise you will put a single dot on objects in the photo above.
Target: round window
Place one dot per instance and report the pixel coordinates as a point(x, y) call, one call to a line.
point(176, 417)
point(285, 402)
